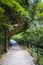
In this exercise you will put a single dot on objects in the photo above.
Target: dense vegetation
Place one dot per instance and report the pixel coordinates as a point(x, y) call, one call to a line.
point(23, 10)
point(11, 12)
point(32, 35)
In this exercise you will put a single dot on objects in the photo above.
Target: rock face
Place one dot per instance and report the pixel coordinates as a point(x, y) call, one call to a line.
point(17, 28)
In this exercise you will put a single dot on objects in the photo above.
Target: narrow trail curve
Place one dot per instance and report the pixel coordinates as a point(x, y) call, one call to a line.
point(17, 56)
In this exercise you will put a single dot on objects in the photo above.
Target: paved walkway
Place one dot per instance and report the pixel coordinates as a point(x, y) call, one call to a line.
point(17, 56)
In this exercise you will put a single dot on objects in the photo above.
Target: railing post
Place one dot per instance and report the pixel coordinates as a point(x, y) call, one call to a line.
point(32, 49)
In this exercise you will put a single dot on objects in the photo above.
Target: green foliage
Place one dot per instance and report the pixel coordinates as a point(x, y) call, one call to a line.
point(1, 39)
point(23, 2)
point(1, 14)
point(16, 7)
point(39, 11)
point(33, 35)
point(20, 11)
point(41, 60)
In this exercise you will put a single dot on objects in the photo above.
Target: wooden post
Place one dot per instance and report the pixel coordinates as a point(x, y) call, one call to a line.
point(32, 49)
point(6, 38)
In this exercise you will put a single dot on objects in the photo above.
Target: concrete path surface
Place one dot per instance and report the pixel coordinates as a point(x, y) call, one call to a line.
point(17, 56)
